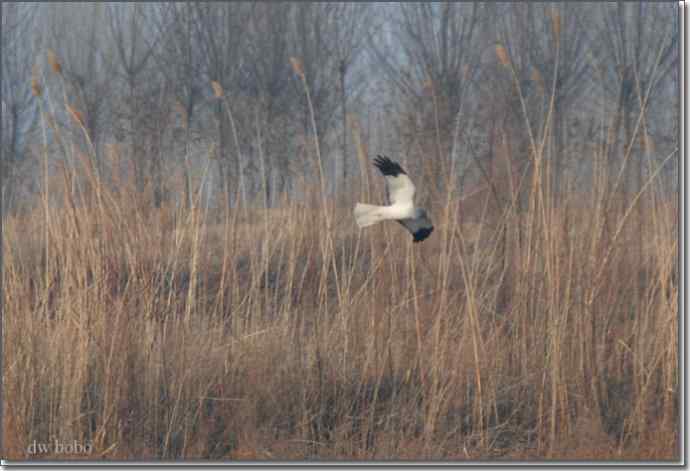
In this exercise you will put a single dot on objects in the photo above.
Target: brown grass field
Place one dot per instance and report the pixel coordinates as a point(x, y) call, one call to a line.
point(540, 331)
point(163, 334)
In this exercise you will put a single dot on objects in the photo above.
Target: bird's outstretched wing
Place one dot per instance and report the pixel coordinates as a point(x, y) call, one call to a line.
point(420, 227)
point(399, 187)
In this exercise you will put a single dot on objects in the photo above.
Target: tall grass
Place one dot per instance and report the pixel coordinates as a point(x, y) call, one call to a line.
point(286, 333)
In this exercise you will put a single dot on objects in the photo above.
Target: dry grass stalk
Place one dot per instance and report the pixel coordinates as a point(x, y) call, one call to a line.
point(555, 24)
point(36, 89)
point(76, 115)
point(361, 148)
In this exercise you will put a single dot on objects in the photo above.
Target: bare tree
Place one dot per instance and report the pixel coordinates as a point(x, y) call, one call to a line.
point(639, 50)
point(548, 44)
point(431, 55)
point(636, 60)
point(326, 38)
point(351, 27)
point(264, 79)
point(134, 44)
point(219, 30)
point(19, 108)
point(75, 34)
point(178, 58)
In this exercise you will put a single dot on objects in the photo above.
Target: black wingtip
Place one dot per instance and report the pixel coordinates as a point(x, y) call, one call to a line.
point(387, 166)
point(422, 234)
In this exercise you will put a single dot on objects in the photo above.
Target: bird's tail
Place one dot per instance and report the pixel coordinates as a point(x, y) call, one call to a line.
point(368, 214)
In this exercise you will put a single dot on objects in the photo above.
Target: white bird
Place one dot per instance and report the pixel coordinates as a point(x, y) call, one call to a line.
point(400, 191)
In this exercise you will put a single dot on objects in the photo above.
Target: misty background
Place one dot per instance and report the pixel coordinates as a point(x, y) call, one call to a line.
point(405, 80)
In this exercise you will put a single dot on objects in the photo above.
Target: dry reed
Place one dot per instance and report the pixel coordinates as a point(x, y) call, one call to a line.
point(269, 335)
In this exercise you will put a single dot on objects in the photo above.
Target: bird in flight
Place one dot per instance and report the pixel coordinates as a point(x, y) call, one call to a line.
point(400, 191)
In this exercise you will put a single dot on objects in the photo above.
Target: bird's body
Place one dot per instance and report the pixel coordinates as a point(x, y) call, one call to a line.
point(400, 190)
point(368, 214)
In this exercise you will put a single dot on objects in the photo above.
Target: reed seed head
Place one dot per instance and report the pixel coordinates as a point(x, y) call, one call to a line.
point(502, 55)
point(54, 62)
point(217, 89)
point(36, 89)
point(297, 66)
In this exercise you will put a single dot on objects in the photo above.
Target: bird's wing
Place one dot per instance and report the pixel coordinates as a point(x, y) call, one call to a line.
point(420, 227)
point(399, 187)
